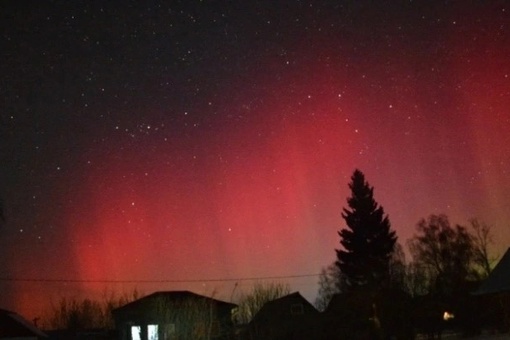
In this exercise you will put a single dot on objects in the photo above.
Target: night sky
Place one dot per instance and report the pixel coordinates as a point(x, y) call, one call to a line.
point(198, 140)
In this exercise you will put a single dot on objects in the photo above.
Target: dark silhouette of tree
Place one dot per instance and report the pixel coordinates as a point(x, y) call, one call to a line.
point(416, 279)
point(482, 238)
point(398, 269)
point(447, 254)
point(251, 302)
point(78, 314)
point(368, 240)
point(451, 261)
point(328, 286)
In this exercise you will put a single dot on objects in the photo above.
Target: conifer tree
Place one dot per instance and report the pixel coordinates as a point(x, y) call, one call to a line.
point(367, 241)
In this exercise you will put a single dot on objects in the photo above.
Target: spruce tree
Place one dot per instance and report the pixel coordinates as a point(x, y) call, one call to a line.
point(368, 240)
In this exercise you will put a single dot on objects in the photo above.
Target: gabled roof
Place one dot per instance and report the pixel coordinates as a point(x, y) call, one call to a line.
point(172, 296)
point(499, 279)
point(14, 325)
point(343, 302)
point(287, 298)
point(274, 306)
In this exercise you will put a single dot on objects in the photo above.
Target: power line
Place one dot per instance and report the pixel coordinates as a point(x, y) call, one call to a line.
point(10, 279)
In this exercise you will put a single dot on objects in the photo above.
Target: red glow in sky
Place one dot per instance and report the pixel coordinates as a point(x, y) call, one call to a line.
point(248, 178)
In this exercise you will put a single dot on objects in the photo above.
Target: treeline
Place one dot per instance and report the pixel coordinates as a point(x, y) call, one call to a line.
point(80, 314)
point(443, 259)
point(447, 264)
point(83, 314)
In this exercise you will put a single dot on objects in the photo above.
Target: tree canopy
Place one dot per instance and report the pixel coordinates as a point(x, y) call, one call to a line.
point(250, 303)
point(450, 255)
point(367, 240)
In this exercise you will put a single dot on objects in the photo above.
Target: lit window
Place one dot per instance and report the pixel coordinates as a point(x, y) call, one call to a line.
point(135, 333)
point(152, 332)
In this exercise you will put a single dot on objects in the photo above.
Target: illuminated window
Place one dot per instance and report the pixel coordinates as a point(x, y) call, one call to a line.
point(152, 332)
point(296, 309)
point(135, 333)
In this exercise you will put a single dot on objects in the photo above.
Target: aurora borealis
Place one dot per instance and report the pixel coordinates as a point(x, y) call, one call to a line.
point(202, 140)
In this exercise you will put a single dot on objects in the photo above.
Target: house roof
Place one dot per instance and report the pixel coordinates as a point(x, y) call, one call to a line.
point(14, 325)
point(174, 296)
point(274, 305)
point(285, 298)
point(499, 279)
point(339, 302)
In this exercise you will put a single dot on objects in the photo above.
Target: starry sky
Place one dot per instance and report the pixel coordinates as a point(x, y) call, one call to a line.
point(196, 140)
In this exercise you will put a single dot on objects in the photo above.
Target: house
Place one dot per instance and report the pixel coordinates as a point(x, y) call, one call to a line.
point(363, 314)
point(288, 317)
point(499, 279)
point(493, 297)
point(14, 326)
point(174, 315)
point(347, 316)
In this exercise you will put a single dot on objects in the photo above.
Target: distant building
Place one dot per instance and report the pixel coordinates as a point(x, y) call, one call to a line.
point(347, 316)
point(174, 315)
point(499, 279)
point(368, 315)
point(288, 317)
point(14, 327)
point(493, 297)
